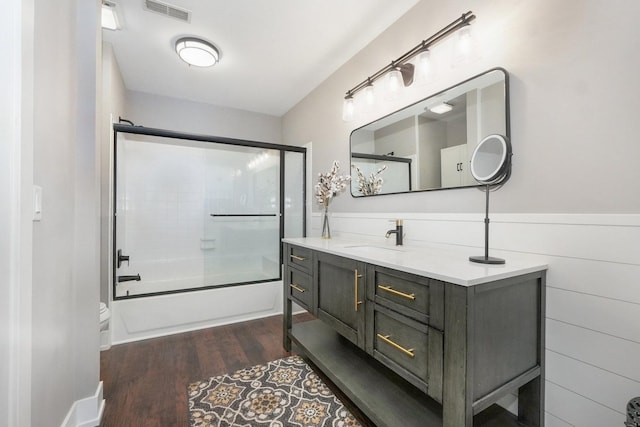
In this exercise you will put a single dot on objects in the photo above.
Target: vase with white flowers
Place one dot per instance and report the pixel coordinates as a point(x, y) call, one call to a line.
point(329, 185)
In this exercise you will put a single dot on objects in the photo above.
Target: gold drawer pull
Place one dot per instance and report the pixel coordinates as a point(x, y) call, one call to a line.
point(356, 303)
point(297, 288)
point(298, 258)
point(389, 289)
point(385, 338)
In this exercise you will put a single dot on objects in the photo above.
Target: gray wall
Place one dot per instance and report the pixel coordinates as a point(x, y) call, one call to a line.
point(16, 179)
point(114, 98)
point(65, 339)
point(195, 117)
point(574, 94)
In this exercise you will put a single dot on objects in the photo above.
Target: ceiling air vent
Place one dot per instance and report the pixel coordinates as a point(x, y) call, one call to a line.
point(167, 10)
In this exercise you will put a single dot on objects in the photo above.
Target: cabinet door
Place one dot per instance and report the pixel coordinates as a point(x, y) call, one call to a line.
point(454, 166)
point(340, 284)
point(450, 166)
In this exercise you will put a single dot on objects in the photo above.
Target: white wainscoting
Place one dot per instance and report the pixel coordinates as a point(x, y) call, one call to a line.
point(593, 296)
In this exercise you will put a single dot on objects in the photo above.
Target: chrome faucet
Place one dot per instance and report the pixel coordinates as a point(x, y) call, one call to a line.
point(397, 232)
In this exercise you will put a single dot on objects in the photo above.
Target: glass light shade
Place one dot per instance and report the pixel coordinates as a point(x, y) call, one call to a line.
point(394, 83)
point(463, 41)
point(348, 109)
point(423, 66)
point(369, 96)
point(197, 52)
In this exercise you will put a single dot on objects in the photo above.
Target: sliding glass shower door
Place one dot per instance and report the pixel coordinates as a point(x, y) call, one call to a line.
point(192, 214)
point(242, 216)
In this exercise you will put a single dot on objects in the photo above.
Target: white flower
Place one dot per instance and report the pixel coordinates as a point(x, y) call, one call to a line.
point(330, 184)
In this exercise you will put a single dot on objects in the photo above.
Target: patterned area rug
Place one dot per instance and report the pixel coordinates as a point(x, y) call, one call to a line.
point(282, 393)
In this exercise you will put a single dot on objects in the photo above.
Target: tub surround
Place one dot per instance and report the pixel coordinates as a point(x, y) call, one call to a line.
point(420, 335)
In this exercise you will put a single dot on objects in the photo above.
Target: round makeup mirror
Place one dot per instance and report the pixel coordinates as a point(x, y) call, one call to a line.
point(490, 165)
point(491, 160)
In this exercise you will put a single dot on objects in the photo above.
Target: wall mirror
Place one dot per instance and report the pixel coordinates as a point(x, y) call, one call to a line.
point(428, 145)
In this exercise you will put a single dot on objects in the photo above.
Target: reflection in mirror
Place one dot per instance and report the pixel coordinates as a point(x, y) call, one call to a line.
point(428, 145)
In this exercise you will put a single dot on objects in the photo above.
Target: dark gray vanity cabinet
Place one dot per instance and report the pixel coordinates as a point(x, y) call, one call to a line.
point(415, 351)
point(340, 285)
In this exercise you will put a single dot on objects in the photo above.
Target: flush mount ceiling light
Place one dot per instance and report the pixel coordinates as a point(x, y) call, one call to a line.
point(195, 51)
point(441, 108)
point(401, 72)
point(109, 18)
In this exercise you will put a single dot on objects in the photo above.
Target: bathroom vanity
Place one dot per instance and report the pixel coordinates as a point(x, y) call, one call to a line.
point(418, 336)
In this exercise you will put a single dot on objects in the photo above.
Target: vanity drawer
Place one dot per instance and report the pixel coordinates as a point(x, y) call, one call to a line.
point(299, 257)
point(299, 285)
point(400, 343)
point(399, 291)
point(410, 348)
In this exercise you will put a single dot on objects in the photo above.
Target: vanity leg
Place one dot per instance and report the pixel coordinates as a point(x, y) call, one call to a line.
point(531, 395)
point(456, 399)
point(286, 321)
point(530, 409)
point(286, 306)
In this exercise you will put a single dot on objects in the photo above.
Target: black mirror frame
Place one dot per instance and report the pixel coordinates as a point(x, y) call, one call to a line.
point(507, 129)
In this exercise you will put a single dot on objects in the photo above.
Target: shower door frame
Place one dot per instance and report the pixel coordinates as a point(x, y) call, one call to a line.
point(164, 133)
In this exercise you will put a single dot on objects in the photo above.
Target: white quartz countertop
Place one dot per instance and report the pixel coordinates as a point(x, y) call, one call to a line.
point(449, 264)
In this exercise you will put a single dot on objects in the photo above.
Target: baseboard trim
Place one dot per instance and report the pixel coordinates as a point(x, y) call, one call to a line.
point(86, 412)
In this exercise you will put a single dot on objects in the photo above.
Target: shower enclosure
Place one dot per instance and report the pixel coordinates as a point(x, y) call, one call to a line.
point(194, 212)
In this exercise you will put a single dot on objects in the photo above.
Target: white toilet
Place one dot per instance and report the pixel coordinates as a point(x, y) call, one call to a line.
point(105, 338)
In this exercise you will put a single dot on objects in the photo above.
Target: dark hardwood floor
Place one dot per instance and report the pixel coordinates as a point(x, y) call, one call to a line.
point(145, 382)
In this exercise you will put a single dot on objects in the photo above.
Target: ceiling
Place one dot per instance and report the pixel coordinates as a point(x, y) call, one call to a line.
point(274, 52)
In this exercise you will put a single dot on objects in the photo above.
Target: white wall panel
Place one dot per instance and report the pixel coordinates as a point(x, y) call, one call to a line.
point(594, 242)
point(578, 410)
point(613, 317)
point(610, 353)
point(612, 391)
point(553, 421)
point(601, 278)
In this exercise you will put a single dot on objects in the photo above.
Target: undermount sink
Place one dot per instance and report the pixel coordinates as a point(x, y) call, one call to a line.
point(373, 247)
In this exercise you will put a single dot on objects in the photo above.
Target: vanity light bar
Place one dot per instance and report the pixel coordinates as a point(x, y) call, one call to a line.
point(401, 63)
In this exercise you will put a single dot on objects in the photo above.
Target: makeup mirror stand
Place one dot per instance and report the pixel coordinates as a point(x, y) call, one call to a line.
point(486, 259)
point(490, 165)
